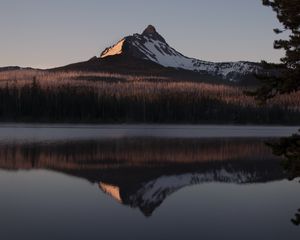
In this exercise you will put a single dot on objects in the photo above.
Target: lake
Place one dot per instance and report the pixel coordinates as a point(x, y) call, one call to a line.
point(65, 181)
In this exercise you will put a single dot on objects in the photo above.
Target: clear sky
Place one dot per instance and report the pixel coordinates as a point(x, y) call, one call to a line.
point(48, 33)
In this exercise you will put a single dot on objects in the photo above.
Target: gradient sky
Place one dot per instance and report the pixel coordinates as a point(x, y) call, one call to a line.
point(48, 33)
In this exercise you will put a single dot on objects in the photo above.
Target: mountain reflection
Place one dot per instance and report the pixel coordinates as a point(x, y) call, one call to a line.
point(143, 172)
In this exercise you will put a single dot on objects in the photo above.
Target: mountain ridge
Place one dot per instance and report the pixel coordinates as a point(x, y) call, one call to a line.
point(151, 46)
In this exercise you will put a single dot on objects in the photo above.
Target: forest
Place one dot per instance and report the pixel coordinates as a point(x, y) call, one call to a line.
point(41, 96)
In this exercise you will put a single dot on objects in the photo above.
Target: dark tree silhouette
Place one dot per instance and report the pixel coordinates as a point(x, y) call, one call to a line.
point(289, 148)
point(287, 79)
point(296, 220)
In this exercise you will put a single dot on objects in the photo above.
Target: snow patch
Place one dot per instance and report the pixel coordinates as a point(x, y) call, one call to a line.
point(163, 54)
point(114, 50)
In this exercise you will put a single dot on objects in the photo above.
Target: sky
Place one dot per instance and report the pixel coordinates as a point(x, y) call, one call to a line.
point(49, 33)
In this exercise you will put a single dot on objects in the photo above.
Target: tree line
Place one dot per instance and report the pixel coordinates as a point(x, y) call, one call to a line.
point(72, 103)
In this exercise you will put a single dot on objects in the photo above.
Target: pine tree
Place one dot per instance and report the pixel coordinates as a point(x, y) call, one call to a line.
point(288, 78)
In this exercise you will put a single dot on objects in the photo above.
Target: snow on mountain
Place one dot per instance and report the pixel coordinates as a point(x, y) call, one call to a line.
point(115, 50)
point(150, 45)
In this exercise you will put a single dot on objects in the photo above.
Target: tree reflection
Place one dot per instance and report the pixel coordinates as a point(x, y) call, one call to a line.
point(290, 148)
point(296, 219)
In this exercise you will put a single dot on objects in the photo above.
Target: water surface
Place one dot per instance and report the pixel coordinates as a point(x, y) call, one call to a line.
point(144, 182)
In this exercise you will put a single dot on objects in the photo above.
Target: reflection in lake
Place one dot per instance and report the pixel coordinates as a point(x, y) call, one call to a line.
point(296, 220)
point(143, 173)
point(289, 148)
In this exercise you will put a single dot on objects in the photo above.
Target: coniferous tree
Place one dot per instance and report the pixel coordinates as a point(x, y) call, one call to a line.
point(288, 78)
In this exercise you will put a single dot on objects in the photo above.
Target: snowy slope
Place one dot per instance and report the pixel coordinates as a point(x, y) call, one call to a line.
point(115, 50)
point(150, 45)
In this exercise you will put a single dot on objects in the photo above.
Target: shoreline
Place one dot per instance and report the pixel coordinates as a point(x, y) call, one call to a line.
point(58, 132)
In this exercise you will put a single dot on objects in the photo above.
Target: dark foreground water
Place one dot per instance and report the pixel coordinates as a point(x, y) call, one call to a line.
point(144, 182)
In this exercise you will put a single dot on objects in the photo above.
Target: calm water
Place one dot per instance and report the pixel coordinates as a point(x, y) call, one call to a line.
point(144, 182)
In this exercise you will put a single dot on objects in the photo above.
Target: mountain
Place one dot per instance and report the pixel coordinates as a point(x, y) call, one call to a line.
point(150, 54)
point(10, 68)
point(151, 46)
point(16, 68)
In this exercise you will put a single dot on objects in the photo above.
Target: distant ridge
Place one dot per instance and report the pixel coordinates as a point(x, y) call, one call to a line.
point(10, 68)
point(15, 68)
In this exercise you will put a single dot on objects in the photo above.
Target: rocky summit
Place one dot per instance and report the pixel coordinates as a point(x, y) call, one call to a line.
point(151, 46)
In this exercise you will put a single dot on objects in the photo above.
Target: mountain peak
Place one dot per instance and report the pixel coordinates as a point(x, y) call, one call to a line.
point(151, 46)
point(149, 30)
